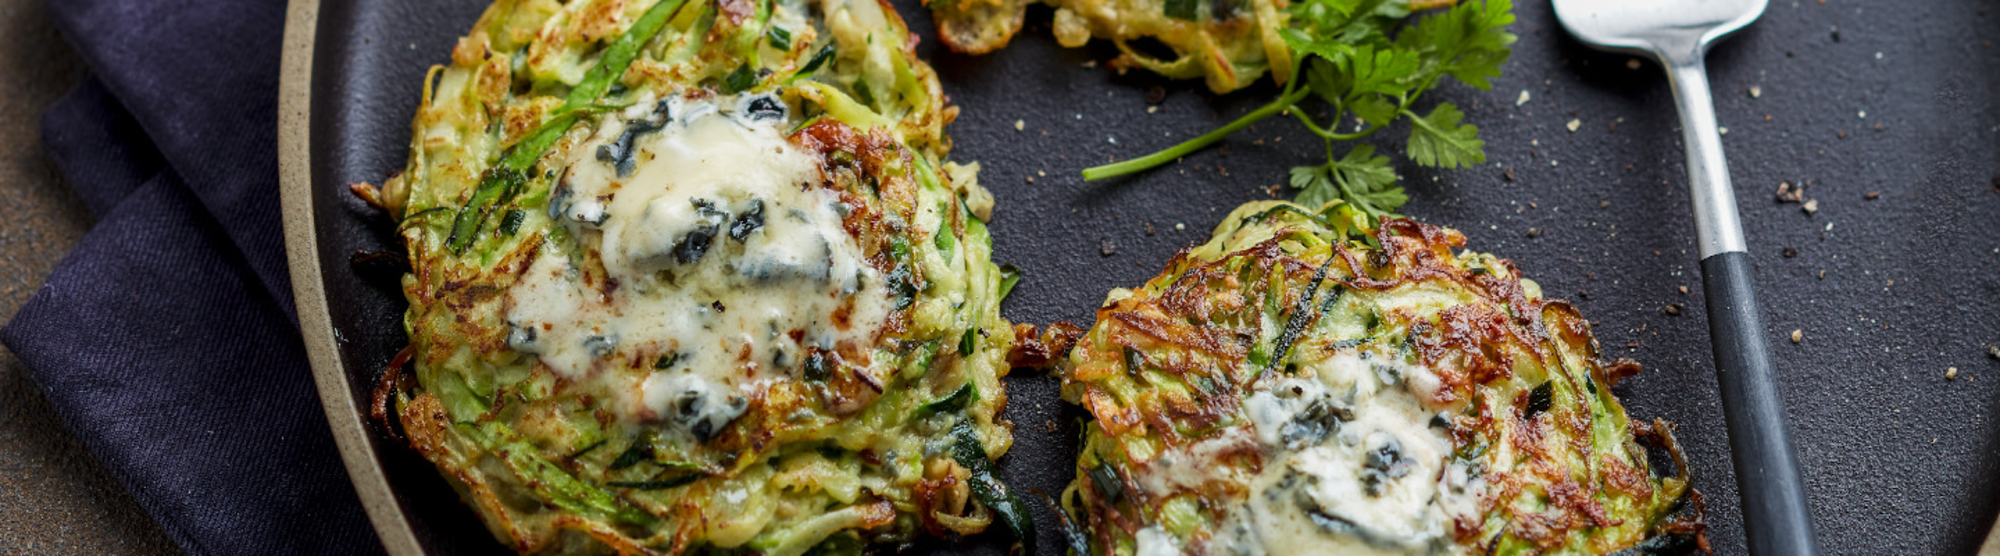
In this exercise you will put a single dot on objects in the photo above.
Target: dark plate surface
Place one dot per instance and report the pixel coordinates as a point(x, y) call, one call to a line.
point(1855, 97)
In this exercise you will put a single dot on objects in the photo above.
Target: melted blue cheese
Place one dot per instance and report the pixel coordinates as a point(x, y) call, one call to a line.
point(728, 260)
point(1352, 465)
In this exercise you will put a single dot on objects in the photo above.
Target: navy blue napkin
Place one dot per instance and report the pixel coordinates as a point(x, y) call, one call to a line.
point(167, 340)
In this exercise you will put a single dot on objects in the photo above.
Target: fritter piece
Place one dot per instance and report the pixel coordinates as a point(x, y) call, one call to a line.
point(1303, 385)
point(1227, 43)
point(693, 275)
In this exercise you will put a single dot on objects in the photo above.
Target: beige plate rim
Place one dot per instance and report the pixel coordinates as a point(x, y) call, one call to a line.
point(350, 434)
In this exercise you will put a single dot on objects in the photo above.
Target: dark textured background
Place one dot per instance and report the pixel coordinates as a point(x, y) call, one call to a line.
point(1856, 97)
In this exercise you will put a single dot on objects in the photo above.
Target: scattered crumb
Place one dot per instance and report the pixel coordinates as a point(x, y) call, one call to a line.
point(1090, 64)
point(1756, 91)
point(1632, 63)
point(1811, 206)
point(1822, 274)
point(1993, 351)
point(1156, 95)
point(1790, 252)
point(1179, 226)
point(1951, 373)
point(1534, 232)
point(1031, 179)
point(1672, 309)
point(1798, 335)
point(1042, 173)
point(1878, 127)
point(1788, 193)
point(1507, 174)
point(1863, 114)
point(1722, 129)
point(1523, 99)
point(1020, 125)
point(1872, 195)
point(1684, 290)
point(1573, 124)
point(1841, 134)
point(1149, 228)
point(1271, 191)
point(1107, 248)
point(1152, 109)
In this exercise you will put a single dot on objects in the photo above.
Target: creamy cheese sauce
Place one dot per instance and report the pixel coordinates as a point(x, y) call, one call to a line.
point(725, 262)
point(1356, 461)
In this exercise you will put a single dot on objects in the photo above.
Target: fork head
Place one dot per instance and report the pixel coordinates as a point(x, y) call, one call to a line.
point(1673, 30)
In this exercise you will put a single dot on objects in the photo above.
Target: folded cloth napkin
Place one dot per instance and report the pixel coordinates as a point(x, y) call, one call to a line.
point(167, 340)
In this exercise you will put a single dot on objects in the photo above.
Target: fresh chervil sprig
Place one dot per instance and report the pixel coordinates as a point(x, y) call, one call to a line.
point(1371, 60)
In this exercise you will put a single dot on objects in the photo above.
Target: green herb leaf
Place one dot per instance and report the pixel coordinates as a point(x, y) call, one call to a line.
point(1439, 141)
point(1370, 60)
point(1185, 10)
point(1368, 183)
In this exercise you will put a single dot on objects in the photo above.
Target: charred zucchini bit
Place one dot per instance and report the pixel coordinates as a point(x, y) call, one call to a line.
point(1010, 275)
point(904, 284)
point(1074, 536)
point(1107, 483)
point(740, 80)
point(969, 452)
point(1185, 10)
point(667, 361)
point(956, 400)
point(1540, 399)
point(812, 66)
point(862, 94)
point(511, 224)
point(969, 342)
point(639, 452)
point(748, 222)
point(586, 449)
point(1304, 314)
point(780, 38)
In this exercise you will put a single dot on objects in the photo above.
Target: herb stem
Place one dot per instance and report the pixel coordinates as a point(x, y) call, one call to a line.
point(1147, 162)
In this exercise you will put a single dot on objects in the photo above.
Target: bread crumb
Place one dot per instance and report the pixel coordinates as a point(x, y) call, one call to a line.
point(1951, 373)
point(1523, 99)
point(1020, 125)
point(1756, 91)
point(1798, 335)
point(1574, 124)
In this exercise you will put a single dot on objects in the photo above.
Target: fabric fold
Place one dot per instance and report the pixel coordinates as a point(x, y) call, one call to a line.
point(167, 341)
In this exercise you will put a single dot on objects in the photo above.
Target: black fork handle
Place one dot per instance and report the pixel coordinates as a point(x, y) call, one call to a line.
point(1775, 516)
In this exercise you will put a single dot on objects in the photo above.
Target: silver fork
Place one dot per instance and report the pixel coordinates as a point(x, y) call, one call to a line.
point(1678, 34)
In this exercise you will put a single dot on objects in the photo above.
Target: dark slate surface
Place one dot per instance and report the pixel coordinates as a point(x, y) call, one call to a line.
point(1855, 98)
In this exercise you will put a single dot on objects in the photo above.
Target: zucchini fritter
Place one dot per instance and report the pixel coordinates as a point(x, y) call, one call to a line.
point(692, 275)
point(1228, 43)
point(1302, 385)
